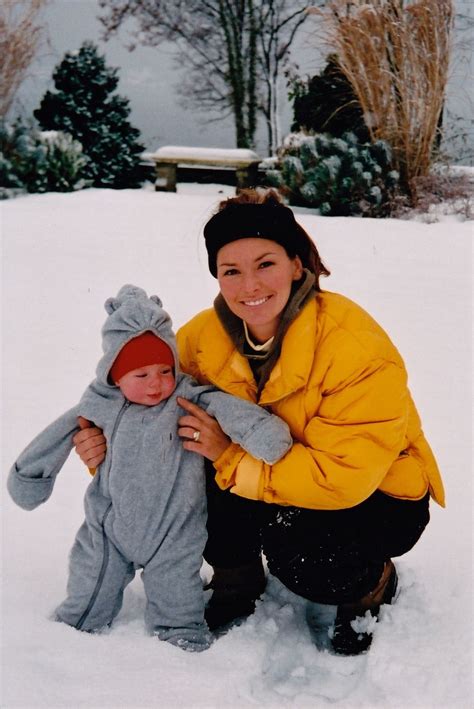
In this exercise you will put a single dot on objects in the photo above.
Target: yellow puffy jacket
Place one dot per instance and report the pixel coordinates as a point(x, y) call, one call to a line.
point(341, 386)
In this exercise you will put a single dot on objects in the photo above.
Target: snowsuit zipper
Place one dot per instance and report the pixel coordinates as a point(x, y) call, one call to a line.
point(105, 540)
point(120, 414)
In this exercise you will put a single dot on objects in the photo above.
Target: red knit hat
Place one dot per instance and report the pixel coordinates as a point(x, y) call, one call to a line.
point(145, 349)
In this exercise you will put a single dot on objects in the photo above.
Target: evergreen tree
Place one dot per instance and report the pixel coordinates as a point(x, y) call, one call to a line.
point(83, 106)
point(326, 103)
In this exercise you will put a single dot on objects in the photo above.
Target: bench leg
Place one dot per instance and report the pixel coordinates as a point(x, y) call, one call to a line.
point(165, 177)
point(246, 177)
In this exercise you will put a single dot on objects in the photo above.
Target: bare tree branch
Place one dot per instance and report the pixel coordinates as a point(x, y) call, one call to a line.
point(221, 44)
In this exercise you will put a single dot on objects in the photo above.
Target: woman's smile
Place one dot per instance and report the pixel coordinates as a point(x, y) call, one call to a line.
point(254, 303)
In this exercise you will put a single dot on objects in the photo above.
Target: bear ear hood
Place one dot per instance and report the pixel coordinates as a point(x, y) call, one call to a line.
point(129, 292)
point(130, 313)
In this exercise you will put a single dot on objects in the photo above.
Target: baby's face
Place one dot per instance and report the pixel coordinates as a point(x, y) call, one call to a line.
point(148, 385)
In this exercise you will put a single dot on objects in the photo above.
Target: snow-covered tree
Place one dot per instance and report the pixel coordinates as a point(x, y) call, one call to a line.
point(84, 105)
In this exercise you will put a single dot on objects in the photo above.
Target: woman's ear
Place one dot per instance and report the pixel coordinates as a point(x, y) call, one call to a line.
point(298, 268)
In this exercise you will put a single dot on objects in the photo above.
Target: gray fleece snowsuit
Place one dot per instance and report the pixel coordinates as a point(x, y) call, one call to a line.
point(146, 506)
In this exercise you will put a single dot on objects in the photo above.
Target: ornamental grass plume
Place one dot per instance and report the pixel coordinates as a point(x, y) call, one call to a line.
point(22, 34)
point(395, 55)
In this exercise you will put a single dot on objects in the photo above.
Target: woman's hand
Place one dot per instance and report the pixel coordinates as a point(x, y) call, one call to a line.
point(90, 443)
point(201, 432)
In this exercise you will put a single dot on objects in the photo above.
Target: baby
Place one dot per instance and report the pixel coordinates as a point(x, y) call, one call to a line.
point(146, 505)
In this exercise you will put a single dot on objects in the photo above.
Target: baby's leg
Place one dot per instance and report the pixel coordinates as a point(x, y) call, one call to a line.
point(98, 575)
point(175, 598)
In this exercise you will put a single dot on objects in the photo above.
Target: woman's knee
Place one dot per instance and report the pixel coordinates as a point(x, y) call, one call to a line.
point(338, 556)
point(398, 524)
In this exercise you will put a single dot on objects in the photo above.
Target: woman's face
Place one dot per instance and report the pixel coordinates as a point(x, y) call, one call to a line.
point(255, 277)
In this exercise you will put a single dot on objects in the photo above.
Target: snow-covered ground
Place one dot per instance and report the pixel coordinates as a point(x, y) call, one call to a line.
point(63, 255)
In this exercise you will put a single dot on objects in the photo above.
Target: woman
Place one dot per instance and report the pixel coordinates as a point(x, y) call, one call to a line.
point(354, 489)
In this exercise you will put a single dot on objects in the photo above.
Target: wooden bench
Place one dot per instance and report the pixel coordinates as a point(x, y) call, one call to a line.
point(245, 163)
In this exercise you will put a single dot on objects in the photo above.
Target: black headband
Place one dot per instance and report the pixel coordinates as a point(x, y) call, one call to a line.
point(271, 221)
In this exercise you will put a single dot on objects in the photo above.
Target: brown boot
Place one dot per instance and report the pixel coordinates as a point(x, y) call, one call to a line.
point(234, 593)
point(355, 621)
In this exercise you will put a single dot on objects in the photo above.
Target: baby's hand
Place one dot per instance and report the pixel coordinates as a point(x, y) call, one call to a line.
point(90, 444)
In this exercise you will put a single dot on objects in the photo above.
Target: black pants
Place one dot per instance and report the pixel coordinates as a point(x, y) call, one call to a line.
point(332, 556)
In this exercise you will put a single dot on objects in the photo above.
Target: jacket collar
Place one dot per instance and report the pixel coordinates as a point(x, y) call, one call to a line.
point(292, 369)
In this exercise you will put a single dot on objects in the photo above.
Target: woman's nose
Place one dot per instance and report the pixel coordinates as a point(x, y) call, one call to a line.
point(250, 283)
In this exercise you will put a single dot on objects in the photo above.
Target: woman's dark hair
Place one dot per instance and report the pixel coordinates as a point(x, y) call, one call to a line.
point(261, 212)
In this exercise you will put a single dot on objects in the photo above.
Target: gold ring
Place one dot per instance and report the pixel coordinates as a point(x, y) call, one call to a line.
point(196, 436)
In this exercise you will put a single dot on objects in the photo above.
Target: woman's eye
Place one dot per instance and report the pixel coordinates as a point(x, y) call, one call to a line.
point(265, 264)
point(230, 272)
point(140, 376)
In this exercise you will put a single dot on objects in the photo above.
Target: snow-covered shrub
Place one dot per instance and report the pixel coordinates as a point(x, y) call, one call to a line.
point(35, 161)
point(61, 163)
point(338, 176)
point(14, 143)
